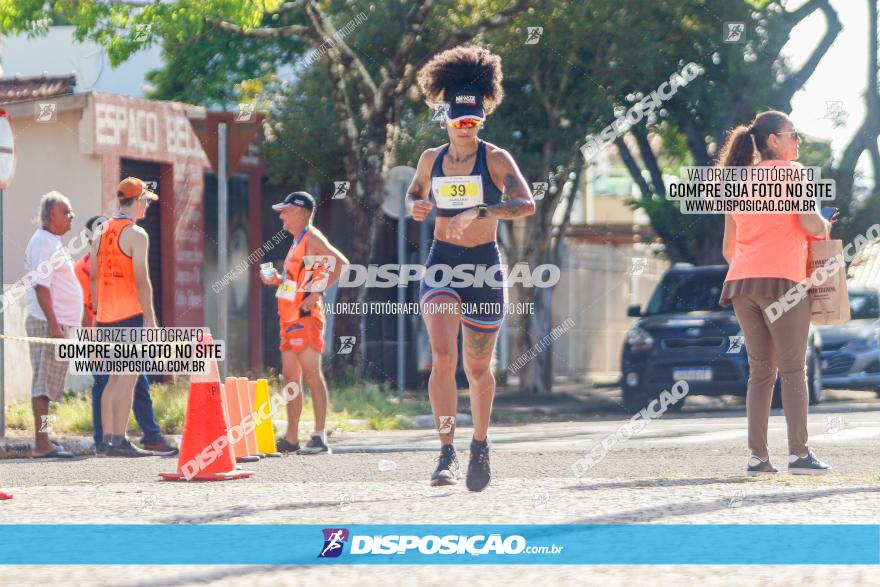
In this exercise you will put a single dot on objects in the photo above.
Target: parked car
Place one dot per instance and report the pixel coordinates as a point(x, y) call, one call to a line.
point(851, 351)
point(683, 333)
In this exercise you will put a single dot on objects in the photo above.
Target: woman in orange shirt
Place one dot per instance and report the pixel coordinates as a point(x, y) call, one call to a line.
point(767, 254)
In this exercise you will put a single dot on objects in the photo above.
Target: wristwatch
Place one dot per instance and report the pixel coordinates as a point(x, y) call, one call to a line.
point(482, 211)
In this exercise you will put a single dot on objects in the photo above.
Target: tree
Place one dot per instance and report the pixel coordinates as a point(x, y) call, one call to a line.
point(740, 80)
point(554, 89)
point(857, 216)
point(367, 92)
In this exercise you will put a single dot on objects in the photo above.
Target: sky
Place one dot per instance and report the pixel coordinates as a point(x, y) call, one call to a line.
point(840, 80)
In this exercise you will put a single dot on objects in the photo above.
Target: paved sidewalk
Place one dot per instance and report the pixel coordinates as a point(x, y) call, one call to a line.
point(679, 470)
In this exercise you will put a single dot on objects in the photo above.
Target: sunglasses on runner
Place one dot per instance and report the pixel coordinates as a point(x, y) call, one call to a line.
point(465, 123)
point(794, 134)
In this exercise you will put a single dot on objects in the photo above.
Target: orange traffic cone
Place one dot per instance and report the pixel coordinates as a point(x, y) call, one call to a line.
point(205, 451)
point(4, 495)
point(237, 412)
point(247, 409)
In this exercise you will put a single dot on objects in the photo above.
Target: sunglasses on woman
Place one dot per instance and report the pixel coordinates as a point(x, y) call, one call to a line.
point(794, 134)
point(465, 123)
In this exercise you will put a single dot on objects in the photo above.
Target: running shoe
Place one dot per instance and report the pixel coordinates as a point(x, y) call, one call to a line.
point(448, 472)
point(127, 449)
point(757, 467)
point(478, 473)
point(101, 449)
point(808, 465)
point(315, 446)
point(160, 448)
point(285, 446)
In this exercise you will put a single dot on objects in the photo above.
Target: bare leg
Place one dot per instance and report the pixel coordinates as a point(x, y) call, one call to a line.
point(442, 391)
point(116, 403)
point(42, 445)
point(310, 361)
point(478, 349)
point(292, 372)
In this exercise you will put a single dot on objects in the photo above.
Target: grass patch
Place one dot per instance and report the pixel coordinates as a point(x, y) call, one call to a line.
point(380, 409)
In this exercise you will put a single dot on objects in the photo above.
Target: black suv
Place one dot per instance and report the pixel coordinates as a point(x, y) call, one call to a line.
point(684, 333)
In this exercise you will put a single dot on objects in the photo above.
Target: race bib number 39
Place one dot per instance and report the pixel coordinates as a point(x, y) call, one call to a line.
point(458, 191)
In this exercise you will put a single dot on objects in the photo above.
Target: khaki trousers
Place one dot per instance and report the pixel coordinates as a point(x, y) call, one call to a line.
point(781, 344)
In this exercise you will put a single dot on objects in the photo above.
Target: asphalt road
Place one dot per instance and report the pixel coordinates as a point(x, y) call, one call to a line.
point(679, 469)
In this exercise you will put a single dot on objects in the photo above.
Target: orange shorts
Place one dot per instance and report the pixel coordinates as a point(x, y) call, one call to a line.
point(303, 333)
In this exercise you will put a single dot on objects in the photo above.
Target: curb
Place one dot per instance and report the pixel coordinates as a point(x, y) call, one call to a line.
point(21, 449)
point(426, 421)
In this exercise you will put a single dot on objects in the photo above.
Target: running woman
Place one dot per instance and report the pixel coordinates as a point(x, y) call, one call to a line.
point(473, 184)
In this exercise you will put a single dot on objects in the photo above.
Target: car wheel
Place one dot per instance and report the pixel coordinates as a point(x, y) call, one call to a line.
point(814, 377)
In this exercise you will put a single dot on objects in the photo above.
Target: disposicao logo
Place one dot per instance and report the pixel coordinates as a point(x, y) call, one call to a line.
point(472, 545)
point(334, 540)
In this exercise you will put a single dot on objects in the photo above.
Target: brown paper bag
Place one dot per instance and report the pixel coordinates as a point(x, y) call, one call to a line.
point(829, 301)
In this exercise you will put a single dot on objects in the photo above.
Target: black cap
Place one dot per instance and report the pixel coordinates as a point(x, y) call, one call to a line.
point(465, 101)
point(301, 199)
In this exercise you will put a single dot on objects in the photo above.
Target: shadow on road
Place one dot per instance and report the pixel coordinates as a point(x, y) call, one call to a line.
point(690, 508)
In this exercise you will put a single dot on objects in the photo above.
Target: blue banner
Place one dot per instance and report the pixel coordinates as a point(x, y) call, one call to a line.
point(243, 544)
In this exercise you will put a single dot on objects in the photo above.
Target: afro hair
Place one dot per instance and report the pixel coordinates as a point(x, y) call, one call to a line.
point(467, 64)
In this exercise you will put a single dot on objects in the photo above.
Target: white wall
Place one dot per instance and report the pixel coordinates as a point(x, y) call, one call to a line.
point(596, 286)
point(48, 158)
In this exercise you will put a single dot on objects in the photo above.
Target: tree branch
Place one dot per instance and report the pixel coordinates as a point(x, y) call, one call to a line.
point(695, 140)
point(796, 81)
point(640, 132)
point(469, 32)
point(870, 127)
point(267, 33)
point(769, 55)
point(341, 53)
point(577, 163)
point(321, 33)
point(392, 84)
point(630, 162)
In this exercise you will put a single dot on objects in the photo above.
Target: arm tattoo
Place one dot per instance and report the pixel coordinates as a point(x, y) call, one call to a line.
point(519, 202)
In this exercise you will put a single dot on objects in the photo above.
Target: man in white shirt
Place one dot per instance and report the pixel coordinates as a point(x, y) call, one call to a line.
point(55, 305)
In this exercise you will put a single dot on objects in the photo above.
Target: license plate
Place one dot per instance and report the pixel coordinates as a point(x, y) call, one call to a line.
point(692, 374)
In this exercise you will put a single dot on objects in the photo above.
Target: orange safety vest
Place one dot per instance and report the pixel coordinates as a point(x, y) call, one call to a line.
point(117, 291)
point(295, 270)
point(83, 270)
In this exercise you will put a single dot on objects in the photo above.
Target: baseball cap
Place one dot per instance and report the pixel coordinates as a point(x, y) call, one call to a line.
point(301, 199)
point(132, 187)
point(465, 101)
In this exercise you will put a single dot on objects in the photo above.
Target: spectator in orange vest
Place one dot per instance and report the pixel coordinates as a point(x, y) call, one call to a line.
point(152, 440)
point(312, 265)
point(122, 297)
